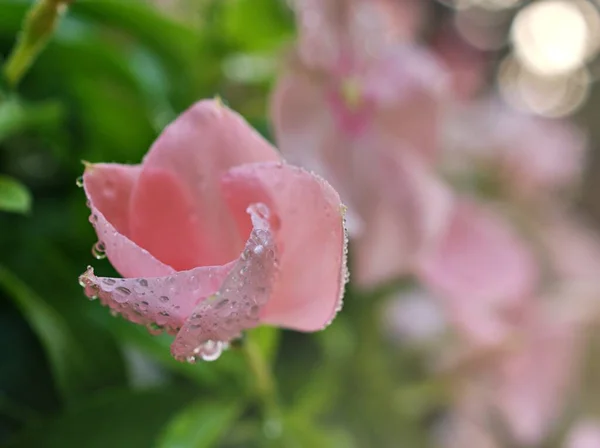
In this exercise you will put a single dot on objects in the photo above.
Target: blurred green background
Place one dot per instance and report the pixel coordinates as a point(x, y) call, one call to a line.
point(114, 74)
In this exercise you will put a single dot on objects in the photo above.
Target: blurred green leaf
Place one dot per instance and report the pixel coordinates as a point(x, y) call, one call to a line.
point(76, 369)
point(255, 25)
point(300, 432)
point(126, 419)
point(201, 425)
point(14, 197)
point(16, 116)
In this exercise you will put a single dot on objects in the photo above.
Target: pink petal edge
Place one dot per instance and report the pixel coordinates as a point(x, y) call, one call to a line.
point(308, 221)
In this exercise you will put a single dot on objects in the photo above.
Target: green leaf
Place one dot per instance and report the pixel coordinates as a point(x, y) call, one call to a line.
point(126, 419)
point(76, 368)
point(14, 197)
point(256, 25)
point(16, 116)
point(201, 425)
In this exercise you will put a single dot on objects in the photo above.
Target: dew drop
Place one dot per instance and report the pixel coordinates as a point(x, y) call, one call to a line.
point(99, 250)
point(253, 311)
point(143, 282)
point(210, 350)
point(79, 181)
point(109, 281)
point(143, 305)
point(191, 359)
point(123, 290)
point(163, 299)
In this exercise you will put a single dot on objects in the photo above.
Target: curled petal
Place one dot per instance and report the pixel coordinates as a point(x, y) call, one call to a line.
point(155, 301)
point(240, 300)
point(108, 188)
point(190, 156)
point(307, 218)
point(481, 270)
point(207, 306)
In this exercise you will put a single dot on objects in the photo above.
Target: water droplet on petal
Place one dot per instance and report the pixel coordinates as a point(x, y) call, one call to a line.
point(121, 294)
point(163, 299)
point(191, 359)
point(99, 250)
point(79, 181)
point(109, 281)
point(143, 282)
point(210, 350)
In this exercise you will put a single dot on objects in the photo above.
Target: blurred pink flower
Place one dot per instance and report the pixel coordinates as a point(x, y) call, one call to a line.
point(585, 434)
point(362, 111)
point(482, 272)
point(530, 378)
point(532, 382)
point(177, 228)
point(532, 157)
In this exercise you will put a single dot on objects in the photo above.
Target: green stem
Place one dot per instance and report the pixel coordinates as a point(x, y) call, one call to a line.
point(38, 27)
point(265, 389)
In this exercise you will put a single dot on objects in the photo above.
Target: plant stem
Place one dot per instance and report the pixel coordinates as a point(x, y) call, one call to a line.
point(38, 26)
point(265, 389)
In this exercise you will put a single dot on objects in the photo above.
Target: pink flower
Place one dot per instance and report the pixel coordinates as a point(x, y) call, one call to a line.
point(533, 381)
point(482, 272)
point(194, 263)
point(363, 111)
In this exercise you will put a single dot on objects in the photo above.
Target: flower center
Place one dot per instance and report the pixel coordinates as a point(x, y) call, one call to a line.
point(351, 93)
point(350, 107)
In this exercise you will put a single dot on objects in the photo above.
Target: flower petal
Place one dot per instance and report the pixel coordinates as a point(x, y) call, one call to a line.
point(480, 269)
point(409, 87)
point(307, 218)
point(108, 188)
point(196, 149)
point(207, 306)
point(404, 216)
point(240, 300)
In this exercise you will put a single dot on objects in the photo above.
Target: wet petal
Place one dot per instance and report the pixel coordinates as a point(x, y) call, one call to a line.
point(195, 150)
point(307, 218)
point(240, 300)
point(481, 270)
point(108, 188)
point(207, 306)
